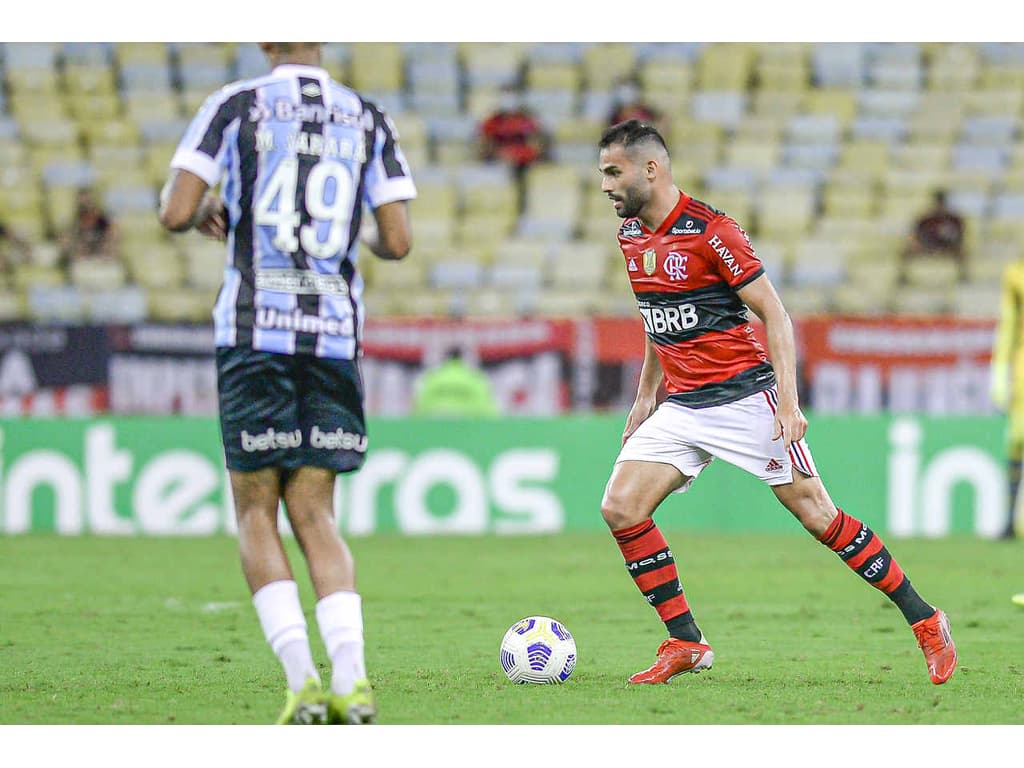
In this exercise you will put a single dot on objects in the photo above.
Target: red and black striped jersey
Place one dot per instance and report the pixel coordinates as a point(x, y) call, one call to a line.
point(685, 276)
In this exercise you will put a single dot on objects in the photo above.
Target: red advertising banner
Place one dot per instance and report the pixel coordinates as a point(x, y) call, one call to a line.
point(932, 365)
point(935, 365)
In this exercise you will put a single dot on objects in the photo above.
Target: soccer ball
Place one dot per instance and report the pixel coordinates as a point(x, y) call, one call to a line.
point(538, 649)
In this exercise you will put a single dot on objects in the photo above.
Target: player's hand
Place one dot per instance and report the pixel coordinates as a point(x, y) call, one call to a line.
point(638, 414)
point(790, 425)
point(211, 218)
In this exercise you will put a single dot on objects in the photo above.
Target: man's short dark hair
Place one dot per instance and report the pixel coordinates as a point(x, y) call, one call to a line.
point(631, 133)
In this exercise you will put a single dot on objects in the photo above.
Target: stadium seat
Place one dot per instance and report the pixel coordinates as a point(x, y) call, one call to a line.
point(584, 265)
point(855, 298)
point(12, 305)
point(377, 67)
point(605, 64)
point(931, 272)
point(93, 274)
point(839, 64)
point(489, 65)
point(720, 108)
point(753, 154)
point(953, 67)
point(54, 303)
point(725, 67)
point(818, 262)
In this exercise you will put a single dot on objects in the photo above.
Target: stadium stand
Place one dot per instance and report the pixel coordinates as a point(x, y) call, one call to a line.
point(825, 153)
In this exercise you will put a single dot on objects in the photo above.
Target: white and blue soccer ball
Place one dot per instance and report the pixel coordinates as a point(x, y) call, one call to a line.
point(538, 650)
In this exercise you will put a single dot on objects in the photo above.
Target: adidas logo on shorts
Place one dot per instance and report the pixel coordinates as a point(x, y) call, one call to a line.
point(773, 466)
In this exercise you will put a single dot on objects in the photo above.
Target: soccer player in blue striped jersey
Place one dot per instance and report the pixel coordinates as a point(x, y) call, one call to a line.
point(298, 156)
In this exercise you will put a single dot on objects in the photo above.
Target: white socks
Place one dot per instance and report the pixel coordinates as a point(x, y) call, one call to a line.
point(340, 616)
point(284, 626)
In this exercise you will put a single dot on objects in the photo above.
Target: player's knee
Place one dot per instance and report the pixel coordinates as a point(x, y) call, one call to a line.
point(255, 518)
point(811, 505)
point(618, 513)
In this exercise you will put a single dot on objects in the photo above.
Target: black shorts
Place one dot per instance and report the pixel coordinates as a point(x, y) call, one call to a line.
point(290, 411)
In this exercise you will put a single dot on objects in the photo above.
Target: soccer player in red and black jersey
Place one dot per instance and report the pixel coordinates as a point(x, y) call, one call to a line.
point(695, 273)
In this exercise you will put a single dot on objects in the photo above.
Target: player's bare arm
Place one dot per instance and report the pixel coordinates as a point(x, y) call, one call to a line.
point(392, 237)
point(647, 391)
point(761, 297)
point(186, 202)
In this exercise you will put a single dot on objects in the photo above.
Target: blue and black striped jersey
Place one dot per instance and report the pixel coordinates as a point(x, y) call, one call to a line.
point(299, 156)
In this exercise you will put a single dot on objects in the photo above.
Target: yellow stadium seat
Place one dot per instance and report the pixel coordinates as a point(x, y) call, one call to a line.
point(97, 274)
point(582, 265)
point(12, 305)
point(157, 266)
point(924, 301)
point(785, 213)
point(1002, 76)
point(568, 303)
point(376, 67)
point(806, 301)
point(605, 64)
point(493, 64)
point(665, 77)
point(840, 102)
point(861, 299)
point(977, 301)
point(758, 155)
point(144, 106)
point(553, 190)
point(175, 305)
point(204, 54)
point(725, 67)
point(783, 75)
point(84, 81)
point(844, 201)
point(141, 53)
point(994, 101)
point(28, 276)
point(776, 103)
point(953, 67)
point(931, 272)
point(554, 76)
point(916, 156)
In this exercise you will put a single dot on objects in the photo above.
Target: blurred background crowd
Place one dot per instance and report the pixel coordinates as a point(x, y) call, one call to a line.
point(881, 184)
point(827, 153)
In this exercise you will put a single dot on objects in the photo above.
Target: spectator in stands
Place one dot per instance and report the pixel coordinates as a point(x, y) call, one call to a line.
point(938, 232)
point(514, 135)
point(455, 388)
point(14, 249)
point(629, 105)
point(92, 234)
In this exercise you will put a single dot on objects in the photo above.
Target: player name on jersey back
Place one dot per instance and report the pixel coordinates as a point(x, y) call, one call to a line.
point(300, 156)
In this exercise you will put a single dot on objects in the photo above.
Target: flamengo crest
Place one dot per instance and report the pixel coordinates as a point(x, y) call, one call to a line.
point(675, 265)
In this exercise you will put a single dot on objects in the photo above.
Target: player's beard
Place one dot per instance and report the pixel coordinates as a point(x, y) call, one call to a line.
point(633, 200)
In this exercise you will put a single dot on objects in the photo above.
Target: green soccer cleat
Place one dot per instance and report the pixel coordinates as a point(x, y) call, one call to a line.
point(356, 708)
point(307, 707)
point(1018, 599)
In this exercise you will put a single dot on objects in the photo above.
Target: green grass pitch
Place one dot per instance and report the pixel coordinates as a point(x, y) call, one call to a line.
point(162, 631)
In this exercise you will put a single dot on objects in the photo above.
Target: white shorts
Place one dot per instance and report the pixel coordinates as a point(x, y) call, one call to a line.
point(739, 432)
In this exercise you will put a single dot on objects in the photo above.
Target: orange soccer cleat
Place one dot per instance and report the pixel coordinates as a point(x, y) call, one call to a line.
point(674, 658)
point(937, 643)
